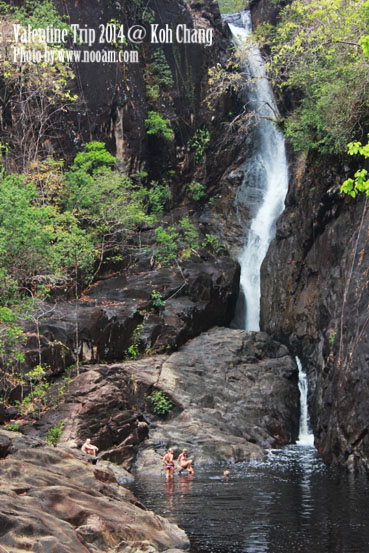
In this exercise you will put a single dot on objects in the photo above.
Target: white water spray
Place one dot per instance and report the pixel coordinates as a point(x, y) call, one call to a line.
point(305, 435)
point(265, 178)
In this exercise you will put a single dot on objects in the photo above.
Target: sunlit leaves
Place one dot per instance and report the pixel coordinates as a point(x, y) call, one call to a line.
point(360, 182)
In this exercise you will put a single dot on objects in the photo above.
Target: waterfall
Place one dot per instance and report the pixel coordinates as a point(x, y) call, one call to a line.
point(265, 176)
point(305, 435)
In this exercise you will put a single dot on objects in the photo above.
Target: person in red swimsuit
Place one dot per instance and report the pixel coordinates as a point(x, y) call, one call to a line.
point(168, 461)
point(184, 463)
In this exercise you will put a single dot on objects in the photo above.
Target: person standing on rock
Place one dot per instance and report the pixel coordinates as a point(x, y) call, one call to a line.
point(184, 463)
point(168, 461)
point(89, 448)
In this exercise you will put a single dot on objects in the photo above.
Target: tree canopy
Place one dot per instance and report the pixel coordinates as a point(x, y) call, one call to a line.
point(318, 51)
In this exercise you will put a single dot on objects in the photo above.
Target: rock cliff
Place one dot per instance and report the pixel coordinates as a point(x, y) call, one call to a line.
point(315, 299)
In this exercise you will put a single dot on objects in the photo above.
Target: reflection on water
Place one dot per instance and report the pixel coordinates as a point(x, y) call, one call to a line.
point(290, 503)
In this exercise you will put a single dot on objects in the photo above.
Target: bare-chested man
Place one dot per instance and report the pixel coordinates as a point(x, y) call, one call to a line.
point(89, 448)
point(168, 461)
point(184, 463)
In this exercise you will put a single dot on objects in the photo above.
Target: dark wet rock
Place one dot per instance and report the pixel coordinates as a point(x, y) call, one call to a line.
point(3, 414)
point(5, 442)
point(122, 476)
point(265, 10)
point(201, 295)
point(315, 291)
point(55, 503)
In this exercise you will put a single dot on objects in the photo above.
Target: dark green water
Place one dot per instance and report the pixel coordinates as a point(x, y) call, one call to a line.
point(291, 503)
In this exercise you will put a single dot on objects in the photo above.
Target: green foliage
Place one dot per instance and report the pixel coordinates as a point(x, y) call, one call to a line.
point(360, 182)
point(199, 143)
point(157, 300)
point(12, 426)
point(36, 13)
point(231, 6)
point(161, 402)
point(144, 11)
point(166, 245)
point(54, 434)
point(172, 243)
point(223, 80)
point(12, 338)
point(197, 190)
point(332, 337)
point(212, 243)
point(156, 125)
point(314, 51)
point(94, 158)
point(157, 196)
point(190, 235)
point(134, 349)
point(160, 69)
point(153, 92)
point(36, 400)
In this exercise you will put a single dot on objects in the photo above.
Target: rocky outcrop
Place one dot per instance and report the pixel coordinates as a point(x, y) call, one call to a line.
point(234, 393)
point(237, 393)
point(264, 10)
point(53, 502)
point(118, 312)
point(315, 290)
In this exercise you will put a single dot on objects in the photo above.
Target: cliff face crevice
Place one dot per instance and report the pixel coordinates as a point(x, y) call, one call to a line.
point(314, 299)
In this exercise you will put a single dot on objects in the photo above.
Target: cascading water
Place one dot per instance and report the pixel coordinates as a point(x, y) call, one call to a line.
point(265, 176)
point(305, 435)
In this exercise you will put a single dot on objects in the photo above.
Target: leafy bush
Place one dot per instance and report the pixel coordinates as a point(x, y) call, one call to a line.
point(54, 434)
point(212, 242)
point(167, 246)
point(190, 234)
point(152, 92)
point(161, 402)
point(134, 349)
point(156, 125)
point(159, 67)
point(12, 426)
point(157, 300)
point(360, 182)
point(199, 143)
point(197, 190)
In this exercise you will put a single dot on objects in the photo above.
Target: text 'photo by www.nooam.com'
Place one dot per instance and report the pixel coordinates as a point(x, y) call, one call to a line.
point(110, 43)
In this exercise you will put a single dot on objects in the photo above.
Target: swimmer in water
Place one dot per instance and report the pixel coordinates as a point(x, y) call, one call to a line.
point(168, 461)
point(184, 463)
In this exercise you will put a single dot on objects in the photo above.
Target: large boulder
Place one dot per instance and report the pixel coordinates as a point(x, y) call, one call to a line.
point(51, 502)
point(238, 395)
